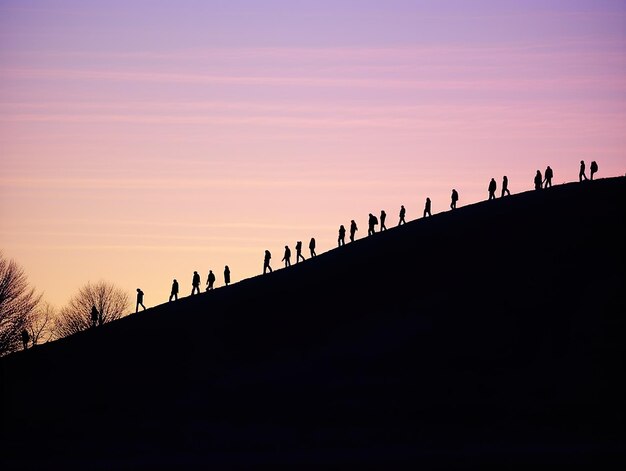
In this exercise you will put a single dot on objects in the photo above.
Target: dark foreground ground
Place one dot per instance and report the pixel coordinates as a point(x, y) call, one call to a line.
point(488, 337)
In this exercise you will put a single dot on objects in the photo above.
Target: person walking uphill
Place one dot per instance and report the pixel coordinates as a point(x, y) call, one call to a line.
point(266, 262)
point(505, 186)
point(139, 301)
point(94, 316)
point(341, 239)
point(593, 169)
point(581, 172)
point(402, 215)
point(548, 177)
point(195, 283)
point(453, 199)
point(226, 275)
point(287, 257)
point(383, 216)
point(538, 180)
point(492, 189)
point(210, 280)
point(353, 230)
point(299, 251)
point(371, 222)
point(427, 208)
point(312, 247)
point(174, 292)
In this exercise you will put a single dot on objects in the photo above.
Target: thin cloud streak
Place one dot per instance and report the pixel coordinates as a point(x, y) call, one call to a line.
point(376, 83)
point(146, 235)
point(140, 247)
point(63, 183)
point(559, 47)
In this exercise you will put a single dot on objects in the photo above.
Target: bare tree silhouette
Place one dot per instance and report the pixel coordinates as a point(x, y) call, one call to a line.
point(111, 302)
point(41, 323)
point(18, 303)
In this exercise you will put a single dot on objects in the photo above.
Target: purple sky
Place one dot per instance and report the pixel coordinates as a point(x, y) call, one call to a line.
point(143, 140)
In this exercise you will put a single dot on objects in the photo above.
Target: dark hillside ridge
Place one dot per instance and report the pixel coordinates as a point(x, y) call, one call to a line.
point(491, 335)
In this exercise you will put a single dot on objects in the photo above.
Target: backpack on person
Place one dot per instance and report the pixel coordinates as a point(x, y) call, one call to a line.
point(594, 166)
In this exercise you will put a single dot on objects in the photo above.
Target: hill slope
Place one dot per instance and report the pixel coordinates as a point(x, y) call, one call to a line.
point(488, 335)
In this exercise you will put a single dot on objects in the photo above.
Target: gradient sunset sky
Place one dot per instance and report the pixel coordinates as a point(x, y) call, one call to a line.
point(143, 140)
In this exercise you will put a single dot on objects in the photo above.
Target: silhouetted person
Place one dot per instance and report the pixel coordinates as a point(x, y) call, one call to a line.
point(174, 293)
point(581, 172)
point(341, 240)
point(371, 223)
point(210, 280)
point(94, 316)
point(505, 186)
point(287, 256)
point(427, 208)
point(402, 214)
point(226, 275)
point(25, 338)
point(266, 262)
point(139, 301)
point(195, 283)
point(548, 177)
point(383, 216)
point(593, 169)
point(299, 251)
point(492, 189)
point(453, 199)
point(312, 247)
point(538, 180)
point(353, 230)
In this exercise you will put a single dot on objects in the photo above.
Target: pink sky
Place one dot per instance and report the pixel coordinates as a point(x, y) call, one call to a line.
point(140, 141)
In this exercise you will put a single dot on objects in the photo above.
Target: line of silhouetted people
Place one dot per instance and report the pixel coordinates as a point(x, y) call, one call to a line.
point(175, 290)
point(540, 182)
